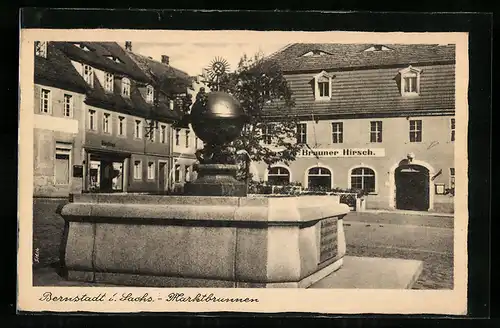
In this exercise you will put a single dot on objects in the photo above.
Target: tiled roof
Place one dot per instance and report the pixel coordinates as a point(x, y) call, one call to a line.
point(97, 56)
point(56, 70)
point(170, 78)
point(343, 56)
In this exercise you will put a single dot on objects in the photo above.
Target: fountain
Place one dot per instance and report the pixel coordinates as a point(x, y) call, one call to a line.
point(214, 235)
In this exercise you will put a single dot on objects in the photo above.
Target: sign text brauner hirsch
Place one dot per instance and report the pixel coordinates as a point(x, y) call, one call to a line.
point(343, 152)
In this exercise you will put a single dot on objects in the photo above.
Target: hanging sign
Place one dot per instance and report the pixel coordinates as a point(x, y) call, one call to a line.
point(342, 152)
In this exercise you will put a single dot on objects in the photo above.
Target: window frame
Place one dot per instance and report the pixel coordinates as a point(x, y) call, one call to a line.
point(126, 87)
point(376, 134)
point(301, 133)
point(121, 124)
point(88, 74)
point(163, 133)
point(109, 84)
point(416, 133)
point(338, 133)
point(49, 101)
point(138, 129)
point(68, 105)
point(151, 174)
point(177, 137)
point(267, 134)
point(137, 169)
point(92, 125)
point(406, 73)
point(451, 182)
point(363, 176)
point(317, 81)
point(278, 167)
point(150, 92)
point(62, 148)
point(187, 133)
point(106, 123)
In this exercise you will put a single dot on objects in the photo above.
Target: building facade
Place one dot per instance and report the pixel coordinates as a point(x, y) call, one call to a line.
point(118, 136)
point(378, 118)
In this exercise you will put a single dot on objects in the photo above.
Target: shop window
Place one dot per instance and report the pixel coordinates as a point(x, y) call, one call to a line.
point(62, 163)
point(45, 101)
point(415, 130)
point(151, 170)
point(278, 175)
point(187, 176)
point(302, 133)
point(363, 178)
point(376, 131)
point(177, 173)
point(319, 178)
point(68, 105)
point(337, 132)
point(137, 170)
point(117, 181)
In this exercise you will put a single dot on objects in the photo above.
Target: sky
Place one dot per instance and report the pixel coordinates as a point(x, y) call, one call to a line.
point(193, 57)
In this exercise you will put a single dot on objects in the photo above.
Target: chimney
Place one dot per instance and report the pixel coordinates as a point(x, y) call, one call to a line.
point(165, 59)
point(128, 45)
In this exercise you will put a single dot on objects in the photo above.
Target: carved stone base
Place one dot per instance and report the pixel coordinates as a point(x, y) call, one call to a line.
point(216, 180)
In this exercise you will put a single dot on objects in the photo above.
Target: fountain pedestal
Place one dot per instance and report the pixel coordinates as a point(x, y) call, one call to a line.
point(197, 241)
point(216, 180)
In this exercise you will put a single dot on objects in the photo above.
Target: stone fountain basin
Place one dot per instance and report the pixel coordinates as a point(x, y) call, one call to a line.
point(198, 241)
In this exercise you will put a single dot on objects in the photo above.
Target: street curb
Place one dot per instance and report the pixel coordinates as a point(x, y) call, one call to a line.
point(444, 215)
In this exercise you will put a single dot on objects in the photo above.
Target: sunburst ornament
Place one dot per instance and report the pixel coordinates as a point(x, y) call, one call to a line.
point(218, 67)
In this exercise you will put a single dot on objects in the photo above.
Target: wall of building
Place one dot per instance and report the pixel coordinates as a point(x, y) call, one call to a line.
point(435, 151)
point(53, 129)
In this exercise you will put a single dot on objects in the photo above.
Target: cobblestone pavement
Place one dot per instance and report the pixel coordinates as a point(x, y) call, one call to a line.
point(436, 274)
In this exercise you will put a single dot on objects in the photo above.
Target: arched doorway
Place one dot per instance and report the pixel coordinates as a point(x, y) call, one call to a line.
point(319, 178)
point(412, 187)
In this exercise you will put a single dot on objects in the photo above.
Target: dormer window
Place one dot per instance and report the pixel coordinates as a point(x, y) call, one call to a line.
point(410, 81)
point(315, 53)
point(108, 82)
point(88, 74)
point(82, 46)
point(41, 49)
point(378, 47)
point(149, 94)
point(125, 87)
point(115, 59)
point(323, 86)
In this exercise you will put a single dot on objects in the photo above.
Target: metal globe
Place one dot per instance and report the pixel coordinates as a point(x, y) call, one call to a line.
point(218, 119)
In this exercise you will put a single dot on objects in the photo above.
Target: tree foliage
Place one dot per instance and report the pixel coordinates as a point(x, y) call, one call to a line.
point(262, 90)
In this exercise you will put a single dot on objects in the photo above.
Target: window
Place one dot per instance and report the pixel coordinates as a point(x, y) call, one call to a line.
point(121, 125)
point(41, 49)
point(163, 133)
point(62, 163)
point(138, 129)
point(376, 131)
point(302, 133)
point(149, 94)
point(106, 117)
point(108, 82)
point(177, 173)
point(68, 105)
point(92, 116)
point(187, 177)
point(88, 75)
point(45, 101)
point(277, 176)
point(267, 134)
point(151, 133)
point(319, 178)
point(452, 126)
point(125, 87)
point(137, 170)
point(177, 136)
point(171, 104)
point(151, 170)
point(452, 177)
point(410, 81)
point(187, 139)
point(415, 130)
point(322, 86)
point(337, 132)
point(363, 178)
